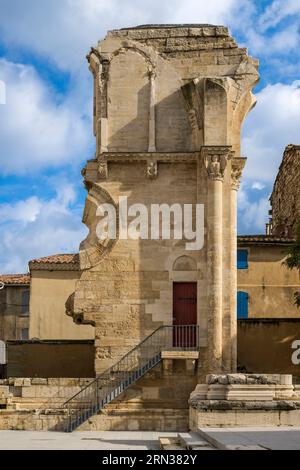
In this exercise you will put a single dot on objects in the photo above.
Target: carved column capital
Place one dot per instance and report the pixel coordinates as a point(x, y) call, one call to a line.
point(215, 160)
point(237, 166)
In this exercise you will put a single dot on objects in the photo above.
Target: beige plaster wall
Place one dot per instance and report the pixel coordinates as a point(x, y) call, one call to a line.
point(48, 293)
point(269, 283)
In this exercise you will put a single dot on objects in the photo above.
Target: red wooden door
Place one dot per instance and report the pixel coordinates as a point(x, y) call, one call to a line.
point(184, 313)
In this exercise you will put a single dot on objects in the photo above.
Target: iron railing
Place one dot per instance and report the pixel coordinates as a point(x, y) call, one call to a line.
point(136, 363)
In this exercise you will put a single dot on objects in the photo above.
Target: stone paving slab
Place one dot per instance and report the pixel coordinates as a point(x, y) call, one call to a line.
point(108, 440)
point(251, 438)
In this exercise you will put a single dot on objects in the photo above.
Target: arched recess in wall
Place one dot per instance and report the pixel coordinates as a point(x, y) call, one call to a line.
point(173, 130)
point(184, 263)
point(128, 101)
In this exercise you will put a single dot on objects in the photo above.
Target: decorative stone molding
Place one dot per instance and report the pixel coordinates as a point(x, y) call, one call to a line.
point(127, 157)
point(215, 161)
point(237, 166)
point(150, 158)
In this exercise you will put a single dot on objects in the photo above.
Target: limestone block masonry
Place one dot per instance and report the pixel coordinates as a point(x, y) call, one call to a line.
point(285, 197)
point(245, 400)
point(169, 102)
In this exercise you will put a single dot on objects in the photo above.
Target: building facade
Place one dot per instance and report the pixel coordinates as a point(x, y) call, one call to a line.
point(285, 197)
point(14, 307)
point(168, 108)
point(266, 287)
point(53, 279)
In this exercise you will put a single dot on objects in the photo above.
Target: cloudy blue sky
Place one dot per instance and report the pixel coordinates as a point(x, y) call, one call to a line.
point(46, 129)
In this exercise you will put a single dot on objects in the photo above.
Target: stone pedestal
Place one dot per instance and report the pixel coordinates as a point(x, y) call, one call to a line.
point(245, 400)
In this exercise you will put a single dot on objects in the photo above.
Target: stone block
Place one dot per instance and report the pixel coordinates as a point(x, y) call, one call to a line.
point(27, 382)
point(212, 379)
point(18, 382)
point(37, 381)
point(216, 392)
point(236, 378)
point(200, 392)
point(249, 392)
point(4, 391)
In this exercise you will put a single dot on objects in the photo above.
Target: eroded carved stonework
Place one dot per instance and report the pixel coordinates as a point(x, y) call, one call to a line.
point(152, 170)
point(92, 250)
point(215, 161)
point(237, 166)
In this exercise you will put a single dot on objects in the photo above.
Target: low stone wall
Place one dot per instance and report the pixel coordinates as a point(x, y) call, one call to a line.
point(158, 401)
point(37, 393)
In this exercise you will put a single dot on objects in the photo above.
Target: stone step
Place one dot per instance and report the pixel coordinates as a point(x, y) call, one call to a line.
point(228, 439)
point(170, 443)
point(194, 441)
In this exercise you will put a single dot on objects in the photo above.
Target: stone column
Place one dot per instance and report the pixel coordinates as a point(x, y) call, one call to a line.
point(237, 166)
point(215, 160)
point(103, 120)
point(152, 142)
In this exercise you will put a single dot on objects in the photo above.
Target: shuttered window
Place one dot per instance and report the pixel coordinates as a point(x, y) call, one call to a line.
point(242, 259)
point(242, 304)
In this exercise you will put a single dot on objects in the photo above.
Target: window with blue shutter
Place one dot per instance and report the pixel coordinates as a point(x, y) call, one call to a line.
point(242, 259)
point(242, 305)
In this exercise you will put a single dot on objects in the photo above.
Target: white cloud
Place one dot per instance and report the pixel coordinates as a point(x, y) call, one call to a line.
point(259, 186)
point(280, 42)
point(278, 11)
point(271, 126)
point(252, 215)
point(35, 227)
point(37, 128)
point(64, 30)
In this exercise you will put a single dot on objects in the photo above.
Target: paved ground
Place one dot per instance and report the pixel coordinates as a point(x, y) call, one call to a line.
point(234, 438)
point(273, 438)
point(109, 440)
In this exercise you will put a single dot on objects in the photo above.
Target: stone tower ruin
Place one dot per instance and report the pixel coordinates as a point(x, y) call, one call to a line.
point(169, 103)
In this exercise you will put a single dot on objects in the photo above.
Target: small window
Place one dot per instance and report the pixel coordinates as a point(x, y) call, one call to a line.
point(242, 305)
point(25, 302)
point(25, 334)
point(242, 259)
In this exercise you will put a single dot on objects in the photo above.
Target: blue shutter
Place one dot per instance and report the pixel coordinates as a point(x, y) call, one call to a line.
point(242, 259)
point(242, 304)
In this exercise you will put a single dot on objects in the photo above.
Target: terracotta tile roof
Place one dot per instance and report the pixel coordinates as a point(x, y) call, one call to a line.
point(71, 258)
point(264, 239)
point(15, 279)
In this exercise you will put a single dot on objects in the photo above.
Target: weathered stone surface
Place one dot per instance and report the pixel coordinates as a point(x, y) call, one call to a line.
point(237, 378)
point(168, 109)
point(285, 198)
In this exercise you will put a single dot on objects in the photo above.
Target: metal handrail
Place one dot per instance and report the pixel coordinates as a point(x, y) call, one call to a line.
point(130, 368)
point(116, 364)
